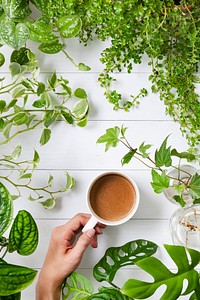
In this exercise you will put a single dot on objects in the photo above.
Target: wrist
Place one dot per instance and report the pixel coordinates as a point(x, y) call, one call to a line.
point(47, 290)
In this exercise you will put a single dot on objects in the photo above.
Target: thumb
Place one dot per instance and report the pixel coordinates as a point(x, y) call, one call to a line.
point(84, 241)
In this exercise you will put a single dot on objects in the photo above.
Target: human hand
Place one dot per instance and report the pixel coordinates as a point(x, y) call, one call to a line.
point(64, 255)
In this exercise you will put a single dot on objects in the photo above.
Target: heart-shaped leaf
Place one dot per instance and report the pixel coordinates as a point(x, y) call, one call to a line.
point(23, 236)
point(118, 257)
point(16, 9)
point(162, 276)
point(51, 48)
point(14, 35)
point(13, 279)
point(77, 286)
point(69, 26)
point(80, 109)
point(6, 209)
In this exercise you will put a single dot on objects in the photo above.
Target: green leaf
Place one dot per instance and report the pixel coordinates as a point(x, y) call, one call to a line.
point(179, 199)
point(118, 257)
point(20, 56)
point(18, 33)
point(67, 117)
point(83, 67)
point(2, 123)
point(69, 181)
point(83, 122)
point(162, 276)
point(41, 34)
point(36, 157)
point(186, 155)
point(160, 182)
point(49, 203)
point(45, 137)
point(77, 286)
point(15, 69)
point(17, 152)
point(194, 186)
point(25, 176)
point(20, 118)
point(18, 92)
point(2, 59)
point(41, 88)
point(127, 158)
point(51, 48)
point(108, 294)
point(2, 105)
point(7, 129)
point(53, 80)
point(49, 118)
point(6, 209)
point(40, 4)
point(23, 236)
point(39, 103)
point(14, 279)
point(80, 93)
point(11, 297)
point(16, 9)
point(50, 180)
point(143, 149)
point(163, 155)
point(69, 26)
point(123, 131)
point(80, 109)
point(111, 137)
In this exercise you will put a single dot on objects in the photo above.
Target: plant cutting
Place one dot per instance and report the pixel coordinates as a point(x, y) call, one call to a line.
point(138, 253)
point(23, 238)
point(161, 161)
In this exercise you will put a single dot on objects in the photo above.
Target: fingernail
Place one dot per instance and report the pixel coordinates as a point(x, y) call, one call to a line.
point(90, 233)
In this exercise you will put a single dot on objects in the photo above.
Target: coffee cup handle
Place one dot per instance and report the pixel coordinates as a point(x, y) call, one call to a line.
point(90, 224)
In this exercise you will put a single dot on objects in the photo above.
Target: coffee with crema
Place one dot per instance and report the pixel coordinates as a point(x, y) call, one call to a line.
point(112, 197)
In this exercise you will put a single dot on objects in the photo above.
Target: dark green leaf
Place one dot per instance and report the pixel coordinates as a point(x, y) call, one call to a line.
point(20, 118)
point(69, 26)
point(118, 257)
point(49, 118)
point(2, 105)
point(163, 155)
point(2, 123)
point(2, 59)
point(108, 294)
point(20, 56)
point(67, 117)
point(77, 286)
point(6, 209)
point(53, 80)
point(41, 88)
point(46, 135)
point(180, 200)
point(11, 297)
point(185, 155)
point(127, 158)
point(194, 186)
point(162, 276)
point(39, 103)
point(14, 279)
point(16, 9)
point(23, 236)
point(160, 182)
point(111, 137)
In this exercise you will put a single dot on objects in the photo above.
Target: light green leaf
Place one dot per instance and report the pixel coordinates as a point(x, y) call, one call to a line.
point(49, 118)
point(83, 67)
point(77, 286)
point(23, 236)
point(6, 209)
point(80, 93)
point(15, 69)
point(143, 149)
point(69, 26)
point(110, 138)
point(127, 158)
point(20, 277)
point(18, 92)
point(18, 33)
point(80, 109)
point(160, 182)
point(41, 88)
point(49, 203)
point(39, 103)
point(50, 180)
point(162, 276)
point(40, 34)
point(83, 122)
point(16, 9)
point(51, 48)
point(17, 152)
point(123, 131)
point(194, 186)
point(36, 157)
point(163, 155)
point(20, 118)
point(26, 176)
point(186, 155)
point(7, 129)
point(118, 257)
point(46, 135)
point(69, 181)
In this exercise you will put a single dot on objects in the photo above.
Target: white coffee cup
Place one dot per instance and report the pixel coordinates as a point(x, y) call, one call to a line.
point(95, 218)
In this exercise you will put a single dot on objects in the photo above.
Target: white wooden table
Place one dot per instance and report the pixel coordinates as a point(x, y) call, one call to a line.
point(74, 149)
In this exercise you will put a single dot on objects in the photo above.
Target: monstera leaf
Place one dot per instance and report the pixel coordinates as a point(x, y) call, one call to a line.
point(6, 209)
point(118, 257)
point(108, 294)
point(162, 276)
point(23, 236)
point(77, 287)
